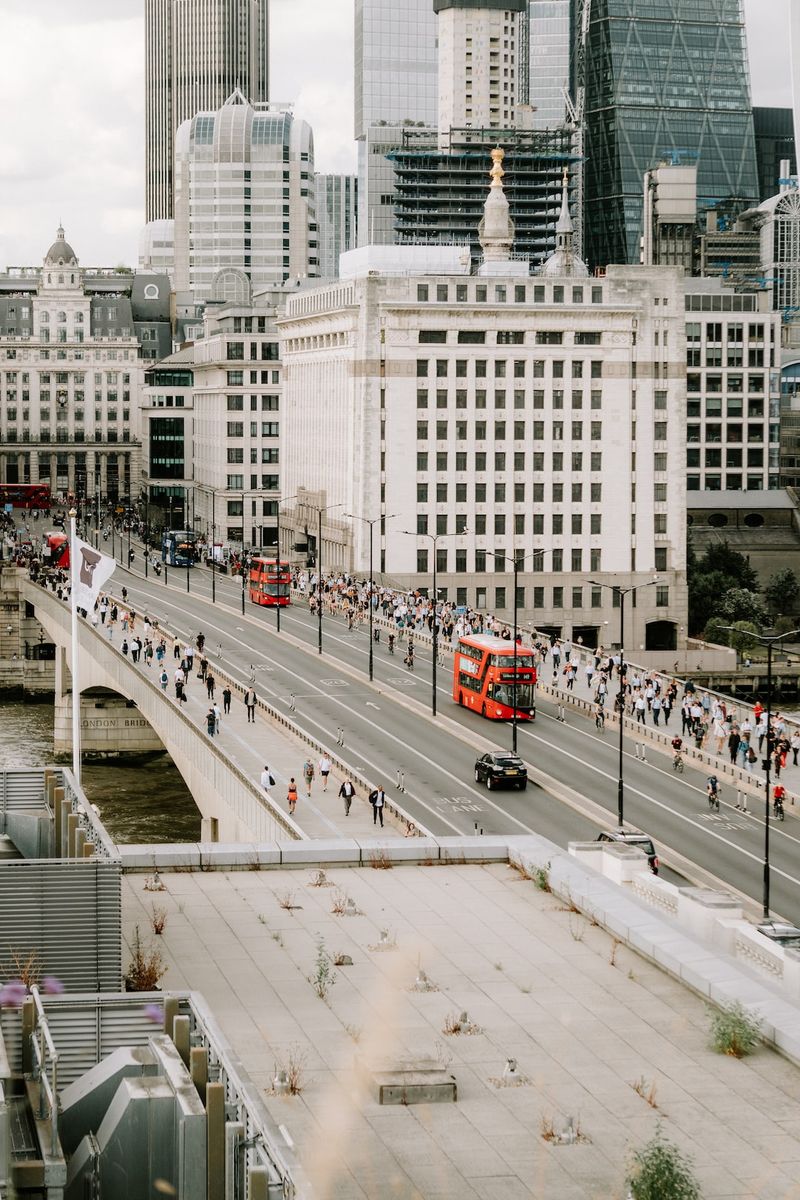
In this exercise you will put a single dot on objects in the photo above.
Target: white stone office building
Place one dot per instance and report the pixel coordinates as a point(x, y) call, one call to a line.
point(72, 342)
point(733, 351)
point(244, 200)
point(219, 459)
point(498, 416)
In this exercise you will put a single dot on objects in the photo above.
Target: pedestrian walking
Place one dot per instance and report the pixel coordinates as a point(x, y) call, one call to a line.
point(325, 765)
point(163, 679)
point(250, 704)
point(308, 774)
point(640, 708)
point(226, 699)
point(211, 722)
point(377, 799)
point(217, 716)
point(794, 743)
point(347, 792)
point(267, 780)
point(291, 795)
point(124, 647)
point(211, 683)
point(203, 667)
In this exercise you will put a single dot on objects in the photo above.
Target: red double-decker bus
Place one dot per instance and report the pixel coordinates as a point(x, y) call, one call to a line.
point(270, 582)
point(485, 678)
point(26, 495)
point(55, 551)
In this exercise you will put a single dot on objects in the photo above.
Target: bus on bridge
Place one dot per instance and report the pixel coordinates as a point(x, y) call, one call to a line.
point(26, 495)
point(270, 582)
point(486, 681)
point(180, 547)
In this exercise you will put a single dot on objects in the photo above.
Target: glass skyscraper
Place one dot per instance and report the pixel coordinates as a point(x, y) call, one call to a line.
point(549, 25)
point(664, 79)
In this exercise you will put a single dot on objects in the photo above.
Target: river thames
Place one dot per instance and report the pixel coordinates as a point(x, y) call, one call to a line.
point(142, 802)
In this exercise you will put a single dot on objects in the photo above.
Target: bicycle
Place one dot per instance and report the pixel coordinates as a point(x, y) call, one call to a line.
point(600, 719)
point(677, 763)
point(777, 810)
point(713, 799)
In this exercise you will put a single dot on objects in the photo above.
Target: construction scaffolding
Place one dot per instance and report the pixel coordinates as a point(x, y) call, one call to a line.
point(440, 192)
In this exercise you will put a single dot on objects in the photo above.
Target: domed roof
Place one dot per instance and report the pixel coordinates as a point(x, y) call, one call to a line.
point(61, 253)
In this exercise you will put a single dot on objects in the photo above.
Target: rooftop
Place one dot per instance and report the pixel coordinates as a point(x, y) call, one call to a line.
point(584, 1017)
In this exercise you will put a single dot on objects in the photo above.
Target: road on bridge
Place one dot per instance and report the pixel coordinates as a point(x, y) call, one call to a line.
point(386, 731)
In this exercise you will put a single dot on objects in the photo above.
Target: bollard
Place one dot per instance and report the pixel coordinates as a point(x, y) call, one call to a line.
point(215, 1125)
point(170, 1013)
point(292, 704)
point(198, 1066)
point(181, 1032)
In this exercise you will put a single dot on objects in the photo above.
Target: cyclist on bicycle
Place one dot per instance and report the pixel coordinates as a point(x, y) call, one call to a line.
point(712, 791)
point(599, 716)
point(677, 747)
point(390, 643)
point(777, 801)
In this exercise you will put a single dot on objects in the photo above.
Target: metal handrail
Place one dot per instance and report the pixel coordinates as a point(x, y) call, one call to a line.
point(42, 1046)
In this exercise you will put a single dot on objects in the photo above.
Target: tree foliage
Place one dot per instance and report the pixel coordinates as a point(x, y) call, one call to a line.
point(782, 592)
point(718, 572)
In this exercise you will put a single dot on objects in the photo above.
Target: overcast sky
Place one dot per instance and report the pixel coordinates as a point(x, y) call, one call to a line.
point(72, 96)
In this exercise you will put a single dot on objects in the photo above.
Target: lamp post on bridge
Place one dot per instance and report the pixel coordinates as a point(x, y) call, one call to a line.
point(371, 521)
point(622, 592)
point(769, 640)
point(435, 538)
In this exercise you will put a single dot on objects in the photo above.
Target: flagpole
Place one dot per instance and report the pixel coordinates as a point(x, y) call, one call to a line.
point(76, 694)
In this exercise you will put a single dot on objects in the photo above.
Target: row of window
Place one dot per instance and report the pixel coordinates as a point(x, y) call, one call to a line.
point(506, 337)
point(236, 378)
point(269, 483)
point(733, 457)
point(578, 368)
point(66, 435)
point(715, 383)
point(12, 354)
point(268, 429)
point(268, 403)
point(733, 433)
point(516, 462)
point(235, 455)
point(578, 493)
point(537, 396)
point(475, 431)
point(538, 293)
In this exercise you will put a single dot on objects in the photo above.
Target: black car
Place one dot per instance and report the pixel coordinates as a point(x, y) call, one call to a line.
point(628, 838)
point(499, 767)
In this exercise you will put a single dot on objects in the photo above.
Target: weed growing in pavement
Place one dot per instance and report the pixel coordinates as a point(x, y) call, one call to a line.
point(734, 1030)
point(659, 1171)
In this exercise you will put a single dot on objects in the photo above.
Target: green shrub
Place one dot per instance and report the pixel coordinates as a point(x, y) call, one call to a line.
point(734, 1030)
point(659, 1171)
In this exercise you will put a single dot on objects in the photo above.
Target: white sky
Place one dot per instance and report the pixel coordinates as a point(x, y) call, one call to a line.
point(72, 95)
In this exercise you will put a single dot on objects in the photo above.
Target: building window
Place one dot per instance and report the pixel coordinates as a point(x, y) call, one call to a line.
point(662, 596)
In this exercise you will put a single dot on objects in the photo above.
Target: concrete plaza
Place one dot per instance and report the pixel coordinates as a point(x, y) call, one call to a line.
point(584, 1016)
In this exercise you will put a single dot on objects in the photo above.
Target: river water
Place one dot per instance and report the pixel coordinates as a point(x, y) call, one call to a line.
point(146, 802)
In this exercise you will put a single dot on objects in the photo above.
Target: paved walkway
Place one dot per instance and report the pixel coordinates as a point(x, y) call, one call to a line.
point(252, 746)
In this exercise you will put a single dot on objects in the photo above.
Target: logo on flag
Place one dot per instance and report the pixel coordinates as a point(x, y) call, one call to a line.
point(92, 570)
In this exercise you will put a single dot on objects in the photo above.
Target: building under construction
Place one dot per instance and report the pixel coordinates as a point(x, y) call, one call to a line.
point(440, 191)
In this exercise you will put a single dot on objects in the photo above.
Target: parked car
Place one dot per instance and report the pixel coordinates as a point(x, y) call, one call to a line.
point(628, 838)
point(500, 767)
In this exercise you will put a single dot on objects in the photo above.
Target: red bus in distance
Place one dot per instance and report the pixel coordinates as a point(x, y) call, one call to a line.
point(270, 582)
point(26, 495)
point(55, 551)
point(485, 680)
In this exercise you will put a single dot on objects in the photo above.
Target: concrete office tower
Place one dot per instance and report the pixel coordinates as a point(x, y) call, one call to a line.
point(670, 216)
point(196, 53)
point(478, 63)
point(550, 24)
point(336, 207)
point(661, 80)
point(794, 16)
point(244, 201)
point(395, 86)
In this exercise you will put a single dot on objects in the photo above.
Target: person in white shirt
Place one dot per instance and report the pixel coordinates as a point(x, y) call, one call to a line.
point(267, 780)
point(325, 765)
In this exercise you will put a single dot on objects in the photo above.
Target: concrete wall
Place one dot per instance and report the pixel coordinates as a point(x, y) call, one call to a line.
point(109, 727)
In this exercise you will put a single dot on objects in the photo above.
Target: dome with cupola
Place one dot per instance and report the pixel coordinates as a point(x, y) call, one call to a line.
point(61, 253)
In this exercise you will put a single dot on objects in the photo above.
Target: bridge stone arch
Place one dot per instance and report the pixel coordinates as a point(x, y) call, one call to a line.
point(232, 807)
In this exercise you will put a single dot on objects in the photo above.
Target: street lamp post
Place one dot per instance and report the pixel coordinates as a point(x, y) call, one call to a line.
point(320, 511)
point(515, 562)
point(435, 538)
point(768, 640)
point(371, 521)
point(278, 503)
point(622, 593)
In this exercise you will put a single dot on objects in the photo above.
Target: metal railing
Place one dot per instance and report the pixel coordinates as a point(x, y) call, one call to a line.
point(44, 1058)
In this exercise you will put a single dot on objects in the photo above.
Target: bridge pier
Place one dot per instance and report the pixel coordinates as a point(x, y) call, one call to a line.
point(111, 726)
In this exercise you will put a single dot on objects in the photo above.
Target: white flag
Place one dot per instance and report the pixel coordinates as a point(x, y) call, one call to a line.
point(90, 571)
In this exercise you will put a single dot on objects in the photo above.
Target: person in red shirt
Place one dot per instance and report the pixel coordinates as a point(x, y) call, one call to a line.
point(778, 794)
point(758, 709)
